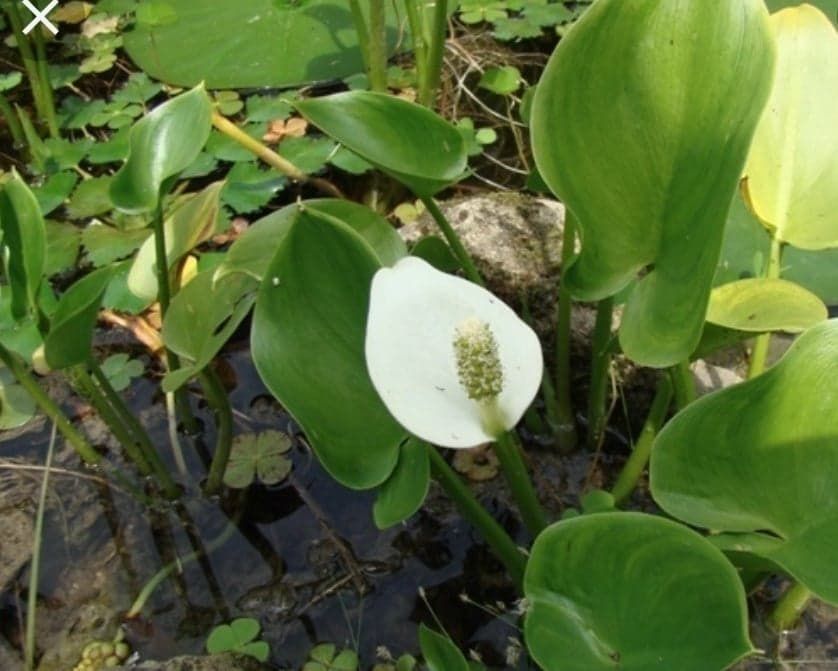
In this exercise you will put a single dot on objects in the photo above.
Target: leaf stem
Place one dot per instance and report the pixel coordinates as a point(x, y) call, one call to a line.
point(508, 451)
point(790, 607)
point(500, 542)
point(683, 384)
point(361, 29)
point(453, 240)
point(600, 367)
point(759, 353)
point(566, 437)
point(433, 70)
point(377, 47)
point(47, 100)
point(217, 398)
point(49, 407)
point(420, 47)
point(636, 463)
point(15, 129)
point(30, 63)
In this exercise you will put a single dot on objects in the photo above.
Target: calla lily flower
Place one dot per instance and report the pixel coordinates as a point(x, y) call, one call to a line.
point(453, 364)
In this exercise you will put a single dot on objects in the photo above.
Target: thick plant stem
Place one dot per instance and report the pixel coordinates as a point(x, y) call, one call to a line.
point(417, 38)
point(683, 384)
point(760, 351)
point(508, 451)
point(217, 398)
point(636, 463)
point(49, 407)
point(790, 607)
point(500, 542)
point(566, 437)
point(453, 240)
point(433, 70)
point(35, 568)
point(600, 367)
point(270, 157)
point(377, 47)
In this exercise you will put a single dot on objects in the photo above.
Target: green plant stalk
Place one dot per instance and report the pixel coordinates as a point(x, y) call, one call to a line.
point(47, 98)
point(361, 29)
point(636, 463)
point(49, 407)
point(417, 38)
point(433, 70)
point(377, 47)
point(453, 240)
point(683, 384)
point(35, 568)
point(30, 62)
point(508, 451)
point(600, 366)
point(762, 341)
point(12, 122)
point(500, 542)
point(141, 438)
point(790, 607)
point(175, 566)
point(220, 403)
point(566, 437)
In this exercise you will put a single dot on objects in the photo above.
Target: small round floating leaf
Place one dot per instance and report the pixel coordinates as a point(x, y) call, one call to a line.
point(632, 592)
point(407, 141)
point(162, 143)
point(792, 168)
point(763, 304)
point(307, 342)
point(641, 125)
point(761, 458)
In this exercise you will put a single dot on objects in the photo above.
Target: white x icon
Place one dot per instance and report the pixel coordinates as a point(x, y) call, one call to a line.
point(40, 17)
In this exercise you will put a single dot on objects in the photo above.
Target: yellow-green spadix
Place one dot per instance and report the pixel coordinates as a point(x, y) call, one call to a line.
point(453, 364)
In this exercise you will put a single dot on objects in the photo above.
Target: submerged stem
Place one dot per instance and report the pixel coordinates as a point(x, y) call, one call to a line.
point(760, 351)
point(453, 240)
point(500, 542)
point(566, 437)
point(600, 366)
point(508, 451)
point(217, 398)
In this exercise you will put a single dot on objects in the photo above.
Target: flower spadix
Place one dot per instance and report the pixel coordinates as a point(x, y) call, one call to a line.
point(452, 363)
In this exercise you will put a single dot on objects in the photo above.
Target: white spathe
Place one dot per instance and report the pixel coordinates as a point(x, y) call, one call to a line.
point(415, 311)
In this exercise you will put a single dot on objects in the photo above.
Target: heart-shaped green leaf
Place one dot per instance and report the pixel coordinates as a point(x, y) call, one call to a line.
point(71, 327)
point(439, 651)
point(191, 222)
point(632, 592)
point(760, 459)
point(409, 142)
point(162, 143)
point(252, 253)
point(217, 308)
point(763, 304)
point(23, 246)
point(307, 342)
point(792, 168)
point(641, 124)
point(404, 492)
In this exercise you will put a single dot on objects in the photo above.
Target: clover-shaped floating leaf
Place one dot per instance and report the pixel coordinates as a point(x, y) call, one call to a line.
point(162, 143)
point(760, 460)
point(652, 196)
point(239, 636)
point(394, 135)
point(120, 369)
point(792, 168)
point(765, 304)
point(632, 592)
point(262, 455)
point(307, 342)
point(326, 657)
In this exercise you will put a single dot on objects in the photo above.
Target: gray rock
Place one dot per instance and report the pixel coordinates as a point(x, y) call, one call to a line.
point(709, 377)
point(9, 659)
point(225, 662)
point(16, 530)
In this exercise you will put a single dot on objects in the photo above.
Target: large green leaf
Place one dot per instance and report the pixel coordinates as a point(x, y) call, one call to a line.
point(71, 327)
point(760, 459)
point(190, 223)
point(792, 169)
point(307, 342)
point(632, 592)
point(641, 124)
point(24, 245)
point(201, 318)
point(404, 492)
point(763, 304)
point(746, 247)
point(252, 253)
point(162, 143)
point(407, 141)
point(257, 43)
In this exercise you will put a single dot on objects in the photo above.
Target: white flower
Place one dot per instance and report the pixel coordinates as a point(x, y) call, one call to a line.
point(452, 363)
